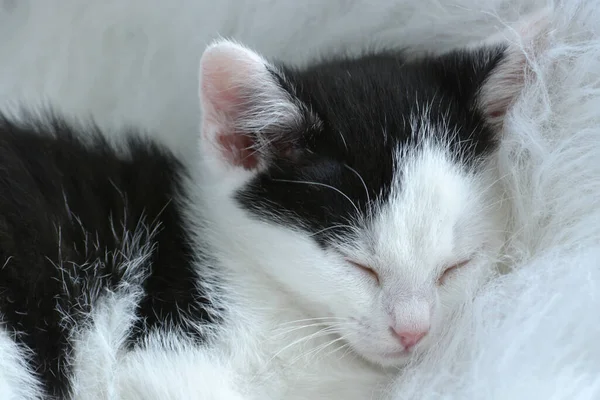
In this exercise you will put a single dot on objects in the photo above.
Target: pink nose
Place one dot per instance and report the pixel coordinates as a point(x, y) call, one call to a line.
point(409, 338)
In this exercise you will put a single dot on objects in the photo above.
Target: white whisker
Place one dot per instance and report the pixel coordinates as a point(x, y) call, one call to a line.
point(326, 186)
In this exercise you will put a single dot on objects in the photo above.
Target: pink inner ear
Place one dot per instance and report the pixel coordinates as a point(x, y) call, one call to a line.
point(224, 74)
point(224, 99)
point(239, 96)
point(224, 103)
point(238, 150)
point(503, 87)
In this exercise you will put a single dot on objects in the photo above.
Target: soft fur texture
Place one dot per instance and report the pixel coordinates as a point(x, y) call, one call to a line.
point(529, 334)
point(286, 258)
point(532, 333)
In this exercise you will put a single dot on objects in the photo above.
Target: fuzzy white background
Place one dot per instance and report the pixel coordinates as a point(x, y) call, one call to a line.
point(530, 334)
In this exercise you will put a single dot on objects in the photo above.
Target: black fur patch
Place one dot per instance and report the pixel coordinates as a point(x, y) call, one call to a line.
point(72, 213)
point(365, 106)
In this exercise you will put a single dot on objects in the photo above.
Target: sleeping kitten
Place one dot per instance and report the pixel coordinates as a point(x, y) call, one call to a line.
point(341, 215)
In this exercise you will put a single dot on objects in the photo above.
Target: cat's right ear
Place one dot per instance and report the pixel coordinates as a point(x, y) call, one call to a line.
point(249, 114)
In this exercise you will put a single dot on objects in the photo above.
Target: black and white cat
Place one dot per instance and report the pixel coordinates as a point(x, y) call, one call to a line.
point(340, 216)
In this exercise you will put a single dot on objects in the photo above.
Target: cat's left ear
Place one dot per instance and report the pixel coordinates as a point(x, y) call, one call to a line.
point(249, 112)
point(490, 75)
point(510, 65)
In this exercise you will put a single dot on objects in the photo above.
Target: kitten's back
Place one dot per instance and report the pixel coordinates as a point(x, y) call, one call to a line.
point(79, 219)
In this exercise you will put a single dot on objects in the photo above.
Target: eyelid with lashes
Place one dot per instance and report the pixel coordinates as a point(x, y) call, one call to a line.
point(452, 268)
point(364, 268)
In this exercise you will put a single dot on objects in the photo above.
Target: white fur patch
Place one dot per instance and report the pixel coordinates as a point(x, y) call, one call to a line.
point(169, 368)
point(98, 348)
point(17, 381)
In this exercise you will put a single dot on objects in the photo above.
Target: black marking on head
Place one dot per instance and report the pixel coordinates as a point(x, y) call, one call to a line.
point(365, 106)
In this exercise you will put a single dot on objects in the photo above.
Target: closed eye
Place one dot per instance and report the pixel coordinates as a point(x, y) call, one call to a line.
point(366, 270)
point(450, 270)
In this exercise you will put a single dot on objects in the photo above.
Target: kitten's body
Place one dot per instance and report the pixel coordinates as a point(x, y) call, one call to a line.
point(100, 281)
point(326, 224)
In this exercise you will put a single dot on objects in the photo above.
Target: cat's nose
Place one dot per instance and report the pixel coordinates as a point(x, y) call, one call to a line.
point(407, 338)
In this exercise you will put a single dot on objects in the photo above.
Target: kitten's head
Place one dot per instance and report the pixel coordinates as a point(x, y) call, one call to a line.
point(363, 187)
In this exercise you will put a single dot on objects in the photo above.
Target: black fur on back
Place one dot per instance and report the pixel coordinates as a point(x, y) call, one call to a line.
point(73, 212)
point(365, 105)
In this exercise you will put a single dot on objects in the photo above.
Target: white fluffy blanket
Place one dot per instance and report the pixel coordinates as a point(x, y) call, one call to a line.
point(531, 334)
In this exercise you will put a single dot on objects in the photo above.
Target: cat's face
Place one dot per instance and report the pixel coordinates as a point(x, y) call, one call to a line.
point(365, 188)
